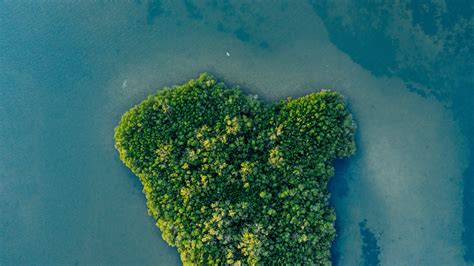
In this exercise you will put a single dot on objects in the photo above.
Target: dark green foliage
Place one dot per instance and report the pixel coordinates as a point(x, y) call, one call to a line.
point(233, 180)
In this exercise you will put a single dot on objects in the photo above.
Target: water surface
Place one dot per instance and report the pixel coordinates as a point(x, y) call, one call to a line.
point(69, 70)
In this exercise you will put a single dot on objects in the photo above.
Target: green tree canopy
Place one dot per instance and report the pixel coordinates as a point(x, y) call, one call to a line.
point(233, 180)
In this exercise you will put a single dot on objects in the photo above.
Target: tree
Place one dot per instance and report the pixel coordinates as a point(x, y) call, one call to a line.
point(231, 179)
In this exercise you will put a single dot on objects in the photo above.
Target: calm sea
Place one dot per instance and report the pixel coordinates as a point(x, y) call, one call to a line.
point(69, 69)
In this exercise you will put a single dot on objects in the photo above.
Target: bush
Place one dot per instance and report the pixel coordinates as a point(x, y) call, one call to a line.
point(233, 180)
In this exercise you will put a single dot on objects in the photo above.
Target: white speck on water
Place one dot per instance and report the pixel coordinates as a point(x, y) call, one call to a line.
point(124, 84)
point(227, 53)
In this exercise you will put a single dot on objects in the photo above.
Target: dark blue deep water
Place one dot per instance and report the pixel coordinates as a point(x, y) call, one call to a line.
point(69, 69)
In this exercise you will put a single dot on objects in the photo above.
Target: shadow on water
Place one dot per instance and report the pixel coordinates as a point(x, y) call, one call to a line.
point(338, 187)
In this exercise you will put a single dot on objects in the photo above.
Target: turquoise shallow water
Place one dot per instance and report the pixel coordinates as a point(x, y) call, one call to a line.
point(69, 70)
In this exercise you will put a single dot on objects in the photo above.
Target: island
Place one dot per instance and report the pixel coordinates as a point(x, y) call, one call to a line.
point(231, 179)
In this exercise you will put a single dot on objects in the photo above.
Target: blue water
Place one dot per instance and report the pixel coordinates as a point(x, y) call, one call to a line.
point(69, 70)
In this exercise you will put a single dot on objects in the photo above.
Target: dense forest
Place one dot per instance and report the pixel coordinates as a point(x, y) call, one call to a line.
point(234, 180)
